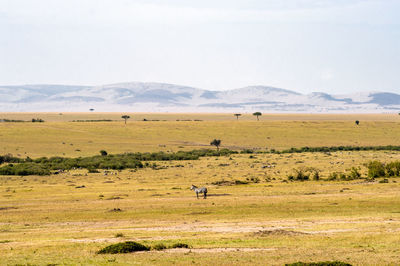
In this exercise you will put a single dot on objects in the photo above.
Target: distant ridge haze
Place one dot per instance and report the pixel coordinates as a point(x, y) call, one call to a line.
point(162, 97)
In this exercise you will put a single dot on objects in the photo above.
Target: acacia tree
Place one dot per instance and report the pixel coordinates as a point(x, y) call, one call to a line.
point(216, 143)
point(257, 114)
point(126, 117)
point(237, 116)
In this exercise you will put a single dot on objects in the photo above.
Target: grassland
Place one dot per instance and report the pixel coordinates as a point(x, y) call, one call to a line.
point(73, 139)
point(64, 219)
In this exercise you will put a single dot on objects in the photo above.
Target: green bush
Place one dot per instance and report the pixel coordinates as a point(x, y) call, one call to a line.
point(333, 176)
point(24, 169)
point(180, 245)
point(375, 169)
point(354, 174)
point(393, 168)
point(116, 162)
point(8, 158)
point(159, 246)
point(125, 247)
point(301, 174)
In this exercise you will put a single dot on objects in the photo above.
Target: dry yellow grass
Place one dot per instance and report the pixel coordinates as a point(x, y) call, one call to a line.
point(45, 220)
point(87, 138)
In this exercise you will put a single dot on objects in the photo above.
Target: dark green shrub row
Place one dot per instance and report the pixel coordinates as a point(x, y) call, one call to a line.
point(337, 148)
point(131, 246)
point(116, 162)
point(379, 169)
point(24, 169)
point(8, 158)
point(304, 174)
point(351, 175)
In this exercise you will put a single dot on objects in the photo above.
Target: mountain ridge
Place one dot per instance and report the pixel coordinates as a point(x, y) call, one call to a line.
point(165, 97)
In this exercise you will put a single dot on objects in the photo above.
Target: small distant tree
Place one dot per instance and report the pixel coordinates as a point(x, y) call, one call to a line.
point(126, 117)
point(257, 114)
point(91, 109)
point(103, 153)
point(237, 116)
point(216, 143)
point(357, 122)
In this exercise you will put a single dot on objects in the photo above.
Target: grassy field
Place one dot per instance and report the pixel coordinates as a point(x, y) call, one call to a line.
point(74, 139)
point(65, 219)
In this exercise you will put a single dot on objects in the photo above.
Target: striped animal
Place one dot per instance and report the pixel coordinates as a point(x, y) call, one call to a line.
point(199, 190)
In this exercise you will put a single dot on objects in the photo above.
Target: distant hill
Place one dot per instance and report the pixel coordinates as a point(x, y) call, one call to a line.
point(161, 97)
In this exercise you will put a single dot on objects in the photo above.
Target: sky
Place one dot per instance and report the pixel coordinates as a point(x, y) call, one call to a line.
point(332, 46)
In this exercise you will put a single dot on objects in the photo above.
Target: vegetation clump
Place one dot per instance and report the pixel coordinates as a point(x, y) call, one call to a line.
point(337, 148)
point(125, 247)
point(24, 169)
point(44, 165)
point(180, 245)
point(159, 246)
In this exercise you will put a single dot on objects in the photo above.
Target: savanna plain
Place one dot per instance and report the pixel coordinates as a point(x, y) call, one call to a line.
point(262, 207)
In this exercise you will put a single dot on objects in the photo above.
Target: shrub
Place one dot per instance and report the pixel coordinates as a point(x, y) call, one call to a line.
point(8, 158)
point(125, 247)
point(103, 153)
point(300, 174)
point(316, 176)
point(375, 169)
point(180, 245)
point(354, 174)
point(24, 169)
point(159, 246)
point(333, 176)
point(393, 168)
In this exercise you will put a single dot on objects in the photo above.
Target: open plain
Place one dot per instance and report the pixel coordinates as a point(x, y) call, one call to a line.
point(254, 214)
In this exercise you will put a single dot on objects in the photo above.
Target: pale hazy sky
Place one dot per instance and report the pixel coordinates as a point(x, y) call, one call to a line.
point(335, 46)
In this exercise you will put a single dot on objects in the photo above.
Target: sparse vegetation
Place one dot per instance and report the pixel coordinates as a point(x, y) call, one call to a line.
point(180, 245)
point(44, 165)
point(257, 114)
point(216, 143)
point(125, 117)
point(68, 216)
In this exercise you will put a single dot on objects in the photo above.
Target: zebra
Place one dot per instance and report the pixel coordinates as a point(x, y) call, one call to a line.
point(199, 190)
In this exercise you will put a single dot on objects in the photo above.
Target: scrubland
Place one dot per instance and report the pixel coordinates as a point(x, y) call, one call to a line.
point(265, 219)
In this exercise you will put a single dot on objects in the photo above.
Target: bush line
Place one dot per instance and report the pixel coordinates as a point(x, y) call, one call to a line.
point(44, 165)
